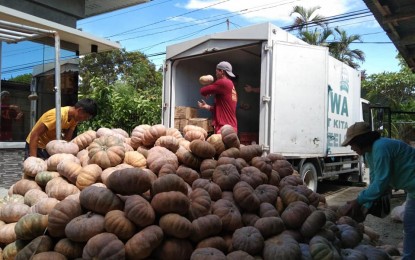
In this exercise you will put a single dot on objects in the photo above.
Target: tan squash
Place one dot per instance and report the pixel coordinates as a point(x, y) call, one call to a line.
point(61, 146)
point(88, 175)
point(106, 151)
point(32, 165)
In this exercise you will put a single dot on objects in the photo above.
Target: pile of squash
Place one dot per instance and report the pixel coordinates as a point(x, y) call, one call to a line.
point(163, 194)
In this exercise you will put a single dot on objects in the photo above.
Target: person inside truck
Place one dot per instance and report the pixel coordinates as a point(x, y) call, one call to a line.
point(225, 98)
point(392, 165)
point(44, 130)
point(9, 113)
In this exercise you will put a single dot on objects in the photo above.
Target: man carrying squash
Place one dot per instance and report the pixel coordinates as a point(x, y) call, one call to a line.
point(44, 130)
point(224, 109)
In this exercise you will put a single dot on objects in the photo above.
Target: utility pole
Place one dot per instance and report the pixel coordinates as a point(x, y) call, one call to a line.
point(227, 23)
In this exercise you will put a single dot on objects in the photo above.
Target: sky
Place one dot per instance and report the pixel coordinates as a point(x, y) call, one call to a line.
point(152, 26)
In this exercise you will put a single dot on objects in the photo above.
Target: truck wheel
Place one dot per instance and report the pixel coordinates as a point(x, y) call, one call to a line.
point(309, 175)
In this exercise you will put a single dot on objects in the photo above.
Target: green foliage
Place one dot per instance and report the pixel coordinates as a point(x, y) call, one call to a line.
point(340, 48)
point(338, 41)
point(24, 78)
point(395, 90)
point(126, 87)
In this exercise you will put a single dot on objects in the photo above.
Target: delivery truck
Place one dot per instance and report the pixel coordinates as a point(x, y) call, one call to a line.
point(306, 98)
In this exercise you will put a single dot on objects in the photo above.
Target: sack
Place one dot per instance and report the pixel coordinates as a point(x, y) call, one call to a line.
point(381, 207)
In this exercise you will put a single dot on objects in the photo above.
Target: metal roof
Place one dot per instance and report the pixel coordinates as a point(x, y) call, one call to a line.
point(397, 18)
point(96, 7)
point(13, 21)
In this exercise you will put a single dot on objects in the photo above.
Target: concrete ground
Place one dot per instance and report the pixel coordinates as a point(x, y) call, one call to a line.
point(11, 168)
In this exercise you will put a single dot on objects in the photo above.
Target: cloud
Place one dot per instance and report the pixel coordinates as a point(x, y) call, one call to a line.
point(187, 20)
point(271, 10)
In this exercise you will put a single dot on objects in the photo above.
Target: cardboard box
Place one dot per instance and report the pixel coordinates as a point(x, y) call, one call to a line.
point(185, 112)
point(204, 123)
point(180, 123)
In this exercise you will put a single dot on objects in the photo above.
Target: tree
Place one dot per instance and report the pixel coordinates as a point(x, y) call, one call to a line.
point(125, 85)
point(337, 41)
point(395, 90)
point(304, 17)
point(317, 37)
point(24, 78)
point(340, 48)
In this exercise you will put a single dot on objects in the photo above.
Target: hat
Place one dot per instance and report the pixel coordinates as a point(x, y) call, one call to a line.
point(354, 130)
point(5, 93)
point(226, 66)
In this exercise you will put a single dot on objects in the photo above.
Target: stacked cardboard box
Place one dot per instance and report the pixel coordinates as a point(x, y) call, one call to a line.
point(204, 123)
point(182, 115)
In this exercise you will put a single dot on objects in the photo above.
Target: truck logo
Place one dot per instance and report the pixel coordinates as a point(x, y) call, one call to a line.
point(344, 82)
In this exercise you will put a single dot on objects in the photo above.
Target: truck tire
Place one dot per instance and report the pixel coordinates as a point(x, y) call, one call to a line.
point(308, 173)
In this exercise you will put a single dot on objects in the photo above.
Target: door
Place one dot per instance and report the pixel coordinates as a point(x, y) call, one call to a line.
point(298, 91)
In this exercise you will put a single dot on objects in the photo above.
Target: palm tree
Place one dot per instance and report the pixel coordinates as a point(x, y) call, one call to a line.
point(305, 17)
point(316, 37)
point(340, 48)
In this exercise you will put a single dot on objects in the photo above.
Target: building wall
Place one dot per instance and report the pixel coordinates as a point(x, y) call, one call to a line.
point(11, 166)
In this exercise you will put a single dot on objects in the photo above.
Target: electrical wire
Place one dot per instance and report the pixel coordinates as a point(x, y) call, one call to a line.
point(333, 19)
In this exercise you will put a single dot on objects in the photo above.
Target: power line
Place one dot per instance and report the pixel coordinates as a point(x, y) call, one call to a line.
point(333, 19)
point(170, 18)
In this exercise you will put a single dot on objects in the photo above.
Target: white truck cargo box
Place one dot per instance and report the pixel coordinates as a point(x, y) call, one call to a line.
point(307, 99)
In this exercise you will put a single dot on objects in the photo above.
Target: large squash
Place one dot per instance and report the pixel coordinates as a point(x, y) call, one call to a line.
point(200, 203)
point(116, 222)
point(295, 214)
point(135, 159)
point(226, 176)
point(137, 135)
point(69, 248)
point(106, 151)
point(139, 211)
point(176, 225)
point(159, 156)
point(88, 175)
point(85, 139)
point(171, 202)
point(32, 165)
point(84, 227)
point(30, 226)
point(59, 188)
point(61, 215)
point(229, 137)
point(104, 246)
point(13, 211)
point(153, 133)
point(282, 247)
point(39, 244)
point(248, 239)
point(54, 160)
point(129, 181)
point(142, 244)
point(100, 200)
point(206, 226)
point(61, 146)
point(229, 213)
point(169, 182)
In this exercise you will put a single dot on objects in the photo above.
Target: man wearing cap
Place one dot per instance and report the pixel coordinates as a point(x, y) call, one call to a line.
point(392, 165)
point(224, 109)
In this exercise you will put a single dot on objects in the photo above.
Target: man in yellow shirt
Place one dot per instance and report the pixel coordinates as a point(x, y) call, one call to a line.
point(44, 130)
